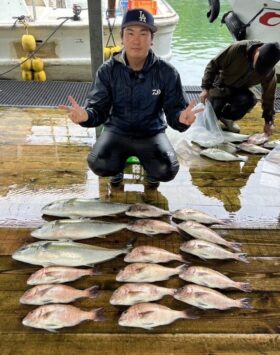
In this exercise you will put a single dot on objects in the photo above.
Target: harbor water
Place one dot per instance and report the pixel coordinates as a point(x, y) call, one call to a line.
point(195, 40)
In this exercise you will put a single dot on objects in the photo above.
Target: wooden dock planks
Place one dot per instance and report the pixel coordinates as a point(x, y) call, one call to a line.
point(31, 175)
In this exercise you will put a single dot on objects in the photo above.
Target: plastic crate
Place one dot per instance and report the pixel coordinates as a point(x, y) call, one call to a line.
point(149, 5)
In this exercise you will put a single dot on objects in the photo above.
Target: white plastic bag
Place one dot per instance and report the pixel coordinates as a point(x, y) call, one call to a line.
point(270, 174)
point(205, 130)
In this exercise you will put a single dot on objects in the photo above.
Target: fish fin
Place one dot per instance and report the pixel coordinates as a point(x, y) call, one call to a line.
point(202, 305)
point(245, 303)
point(47, 264)
point(134, 292)
point(200, 293)
point(244, 286)
point(242, 157)
point(148, 326)
point(191, 314)
point(48, 301)
point(92, 292)
point(44, 291)
point(130, 244)
point(46, 315)
point(90, 265)
point(144, 314)
point(242, 257)
point(51, 330)
point(98, 314)
point(235, 246)
point(139, 269)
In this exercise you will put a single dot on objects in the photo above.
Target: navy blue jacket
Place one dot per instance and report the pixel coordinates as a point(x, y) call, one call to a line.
point(133, 103)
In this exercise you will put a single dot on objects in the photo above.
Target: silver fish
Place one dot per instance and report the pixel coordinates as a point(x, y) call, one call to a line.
point(56, 316)
point(132, 293)
point(141, 272)
point(258, 138)
point(207, 277)
point(207, 250)
point(271, 144)
point(151, 227)
point(253, 148)
point(189, 214)
point(77, 207)
point(150, 315)
point(206, 298)
point(143, 210)
point(76, 229)
point(202, 232)
point(234, 137)
point(221, 155)
point(227, 147)
point(45, 294)
point(58, 274)
point(149, 254)
point(65, 253)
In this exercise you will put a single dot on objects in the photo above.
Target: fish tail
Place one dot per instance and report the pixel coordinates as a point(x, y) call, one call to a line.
point(130, 244)
point(172, 291)
point(95, 271)
point(183, 260)
point(242, 158)
point(234, 245)
point(242, 257)
point(181, 268)
point(245, 303)
point(98, 315)
point(244, 286)
point(190, 314)
point(92, 292)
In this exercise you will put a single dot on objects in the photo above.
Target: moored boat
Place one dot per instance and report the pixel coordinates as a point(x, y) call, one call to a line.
point(251, 19)
point(66, 54)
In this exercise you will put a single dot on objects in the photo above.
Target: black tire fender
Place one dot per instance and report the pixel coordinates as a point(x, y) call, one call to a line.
point(214, 10)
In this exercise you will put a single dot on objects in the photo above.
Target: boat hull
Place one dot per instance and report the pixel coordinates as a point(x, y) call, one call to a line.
point(66, 54)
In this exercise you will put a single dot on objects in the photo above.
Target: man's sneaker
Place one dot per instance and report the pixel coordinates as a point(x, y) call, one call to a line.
point(230, 125)
point(117, 179)
point(151, 182)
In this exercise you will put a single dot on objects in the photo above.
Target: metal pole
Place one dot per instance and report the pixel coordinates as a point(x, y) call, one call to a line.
point(95, 34)
point(34, 11)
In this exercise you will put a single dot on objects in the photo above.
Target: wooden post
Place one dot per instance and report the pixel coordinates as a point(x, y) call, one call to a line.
point(95, 34)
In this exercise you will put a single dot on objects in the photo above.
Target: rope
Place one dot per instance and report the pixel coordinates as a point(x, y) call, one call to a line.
point(41, 45)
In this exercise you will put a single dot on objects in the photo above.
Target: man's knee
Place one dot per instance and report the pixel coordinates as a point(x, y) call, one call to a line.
point(167, 172)
point(98, 166)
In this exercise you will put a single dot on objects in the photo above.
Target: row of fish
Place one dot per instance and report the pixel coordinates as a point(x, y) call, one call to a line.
point(227, 151)
point(80, 229)
point(91, 208)
point(69, 253)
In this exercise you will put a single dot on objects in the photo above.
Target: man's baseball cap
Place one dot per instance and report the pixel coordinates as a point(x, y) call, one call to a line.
point(140, 17)
point(268, 58)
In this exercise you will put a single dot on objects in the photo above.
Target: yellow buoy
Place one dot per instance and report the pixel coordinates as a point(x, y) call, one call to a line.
point(115, 49)
point(26, 65)
point(28, 43)
point(27, 75)
point(37, 64)
point(40, 76)
point(106, 53)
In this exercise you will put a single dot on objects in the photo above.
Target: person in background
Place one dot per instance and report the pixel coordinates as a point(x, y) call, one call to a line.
point(131, 93)
point(230, 75)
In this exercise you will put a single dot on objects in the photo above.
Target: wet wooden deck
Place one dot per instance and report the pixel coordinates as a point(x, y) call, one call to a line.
point(43, 158)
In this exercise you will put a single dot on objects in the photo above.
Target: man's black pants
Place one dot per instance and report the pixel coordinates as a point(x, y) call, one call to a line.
point(235, 106)
point(110, 152)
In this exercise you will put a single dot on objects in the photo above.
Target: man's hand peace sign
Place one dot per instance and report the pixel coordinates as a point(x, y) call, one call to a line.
point(75, 112)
